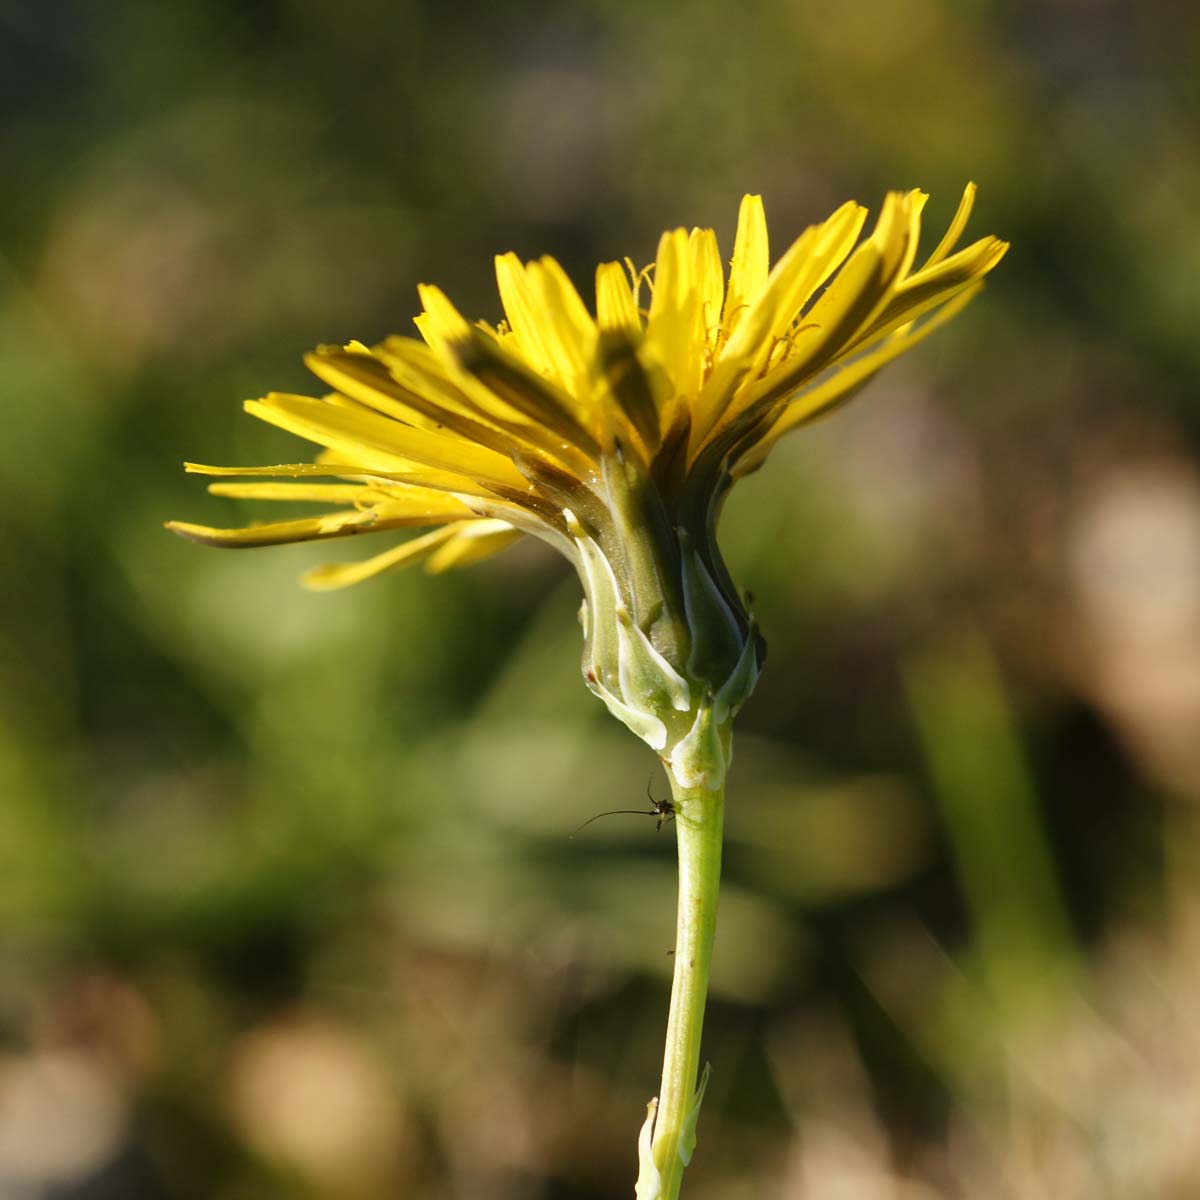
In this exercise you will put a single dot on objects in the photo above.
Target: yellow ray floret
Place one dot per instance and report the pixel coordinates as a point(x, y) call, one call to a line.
point(453, 545)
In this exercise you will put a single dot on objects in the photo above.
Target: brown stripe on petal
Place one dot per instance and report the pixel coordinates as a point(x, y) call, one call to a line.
point(348, 432)
point(364, 378)
point(516, 385)
point(630, 385)
point(415, 366)
point(276, 533)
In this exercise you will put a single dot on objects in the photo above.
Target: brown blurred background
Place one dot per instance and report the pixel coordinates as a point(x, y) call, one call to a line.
point(288, 902)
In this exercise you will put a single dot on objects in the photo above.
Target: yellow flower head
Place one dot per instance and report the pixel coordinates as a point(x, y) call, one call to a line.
point(614, 436)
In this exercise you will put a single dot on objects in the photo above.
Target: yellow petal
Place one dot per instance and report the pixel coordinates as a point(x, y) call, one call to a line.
point(957, 225)
point(443, 320)
point(567, 329)
point(397, 510)
point(522, 308)
point(931, 285)
point(319, 468)
point(436, 374)
point(860, 290)
point(472, 543)
point(675, 330)
point(418, 368)
point(321, 493)
point(809, 404)
point(340, 524)
point(405, 380)
point(633, 386)
point(550, 401)
point(708, 278)
point(392, 505)
point(416, 479)
point(616, 308)
point(365, 378)
point(808, 263)
point(535, 397)
point(480, 470)
point(751, 262)
point(339, 575)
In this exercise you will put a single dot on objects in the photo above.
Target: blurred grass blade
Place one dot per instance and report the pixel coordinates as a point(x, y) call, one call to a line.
point(992, 817)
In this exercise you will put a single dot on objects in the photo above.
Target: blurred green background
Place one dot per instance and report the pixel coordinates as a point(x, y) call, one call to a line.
point(288, 901)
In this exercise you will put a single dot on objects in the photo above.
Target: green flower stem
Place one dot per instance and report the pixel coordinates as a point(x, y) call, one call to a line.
point(699, 816)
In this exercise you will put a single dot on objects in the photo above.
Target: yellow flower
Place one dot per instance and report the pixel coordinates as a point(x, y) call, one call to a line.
point(614, 437)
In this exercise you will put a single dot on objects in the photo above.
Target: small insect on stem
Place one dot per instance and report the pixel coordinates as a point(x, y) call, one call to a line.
point(664, 810)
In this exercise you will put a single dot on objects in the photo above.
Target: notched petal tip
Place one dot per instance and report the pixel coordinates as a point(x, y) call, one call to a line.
point(751, 213)
point(448, 323)
point(999, 249)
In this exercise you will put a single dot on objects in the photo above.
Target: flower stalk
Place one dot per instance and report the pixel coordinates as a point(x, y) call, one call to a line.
point(699, 821)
